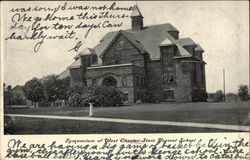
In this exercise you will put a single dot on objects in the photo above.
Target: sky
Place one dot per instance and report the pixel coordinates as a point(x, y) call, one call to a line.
point(221, 28)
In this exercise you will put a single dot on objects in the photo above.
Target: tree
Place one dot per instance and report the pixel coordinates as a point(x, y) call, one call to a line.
point(218, 96)
point(243, 92)
point(51, 90)
point(33, 90)
point(56, 89)
point(64, 88)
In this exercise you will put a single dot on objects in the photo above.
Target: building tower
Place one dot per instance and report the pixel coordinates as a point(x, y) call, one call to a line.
point(136, 19)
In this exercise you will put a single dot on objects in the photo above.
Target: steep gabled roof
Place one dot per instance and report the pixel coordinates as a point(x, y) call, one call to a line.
point(186, 42)
point(76, 64)
point(182, 51)
point(64, 74)
point(149, 37)
point(166, 42)
point(86, 51)
point(198, 48)
point(103, 48)
point(136, 12)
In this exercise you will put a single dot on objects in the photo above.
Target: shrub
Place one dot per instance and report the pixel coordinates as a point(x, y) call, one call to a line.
point(99, 95)
point(218, 96)
point(150, 98)
point(199, 96)
point(243, 93)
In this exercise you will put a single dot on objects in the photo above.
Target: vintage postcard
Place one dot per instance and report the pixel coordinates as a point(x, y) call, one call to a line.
point(125, 80)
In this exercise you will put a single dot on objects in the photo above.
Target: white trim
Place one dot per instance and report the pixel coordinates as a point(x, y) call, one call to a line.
point(109, 66)
point(191, 62)
point(177, 57)
point(74, 67)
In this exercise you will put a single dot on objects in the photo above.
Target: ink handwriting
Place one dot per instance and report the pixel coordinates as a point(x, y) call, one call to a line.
point(120, 149)
point(65, 21)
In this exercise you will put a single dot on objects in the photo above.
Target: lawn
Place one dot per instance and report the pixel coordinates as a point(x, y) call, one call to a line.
point(53, 126)
point(219, 113)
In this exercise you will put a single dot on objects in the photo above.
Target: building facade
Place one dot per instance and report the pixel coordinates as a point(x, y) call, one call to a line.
point(144, 60)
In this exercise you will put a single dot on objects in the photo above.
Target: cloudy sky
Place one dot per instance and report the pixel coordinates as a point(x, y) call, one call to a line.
point(221, 28)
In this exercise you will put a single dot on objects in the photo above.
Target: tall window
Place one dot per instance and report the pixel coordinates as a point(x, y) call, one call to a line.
point(124, 81)
point(194, 73)
point(125, 96)
point(137, 81)
point(202, 74)
point(141, 81)
point(94, 82)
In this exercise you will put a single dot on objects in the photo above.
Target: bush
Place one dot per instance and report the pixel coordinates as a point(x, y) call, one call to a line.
point(199, 96)
point(218, 96)
point(99, 95)
point(150, 98)
point(243, 93)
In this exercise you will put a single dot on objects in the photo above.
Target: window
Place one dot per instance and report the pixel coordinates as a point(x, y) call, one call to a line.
point(120, 45)
point(169, 77)
point(94, 82)
point(138, 94)
point(124, 81)
point(125, 96)
point(141, 81)
point(137, 81)
point(168, 94)
point(202, 74)
point(194, 73)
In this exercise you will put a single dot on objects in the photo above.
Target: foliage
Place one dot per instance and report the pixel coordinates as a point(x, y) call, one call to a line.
point(218, 96)
point(99, 95)
point(243, 92)
point(199, 95)
point(33, 90)
point(9, 125)
point(150, 98)
point(55, 89)
point(232, 97)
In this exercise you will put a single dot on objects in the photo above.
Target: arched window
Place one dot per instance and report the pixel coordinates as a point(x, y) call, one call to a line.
point(109, 81)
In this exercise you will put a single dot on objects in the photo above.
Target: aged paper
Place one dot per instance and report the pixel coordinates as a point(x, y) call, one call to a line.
point(179, 72)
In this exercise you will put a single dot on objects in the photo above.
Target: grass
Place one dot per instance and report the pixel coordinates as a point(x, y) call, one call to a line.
point(53, 126)
point(219, 113)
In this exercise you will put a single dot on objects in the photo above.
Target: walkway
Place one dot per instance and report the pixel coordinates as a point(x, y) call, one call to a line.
point(131, 121)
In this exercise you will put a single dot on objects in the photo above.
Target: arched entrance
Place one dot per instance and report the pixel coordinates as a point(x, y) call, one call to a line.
point(109, 82)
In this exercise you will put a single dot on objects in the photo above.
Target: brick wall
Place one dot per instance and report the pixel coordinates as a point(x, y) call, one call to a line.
point(76, 77)
point(155, 78)
point(116, 72)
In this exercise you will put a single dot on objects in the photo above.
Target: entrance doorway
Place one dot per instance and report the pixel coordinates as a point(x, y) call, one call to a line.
point(109, 82)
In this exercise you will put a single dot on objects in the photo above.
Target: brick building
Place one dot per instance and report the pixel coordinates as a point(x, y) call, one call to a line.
point(143, 60)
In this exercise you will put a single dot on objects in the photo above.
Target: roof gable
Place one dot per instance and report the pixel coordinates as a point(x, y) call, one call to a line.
point(148, 39)
point(136, 12)
point(76, 64)
point(128, 36)
point(186, 42)
point(198, 48)
point(86, 51)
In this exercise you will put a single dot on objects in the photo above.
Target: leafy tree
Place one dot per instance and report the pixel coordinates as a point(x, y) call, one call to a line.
point(64, 88)
point(56, 89)
point(218, 96)
point(243, 92)
point(51, 90)
point(33, 90)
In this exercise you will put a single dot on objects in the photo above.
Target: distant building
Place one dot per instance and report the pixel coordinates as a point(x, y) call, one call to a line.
point(143, 60)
